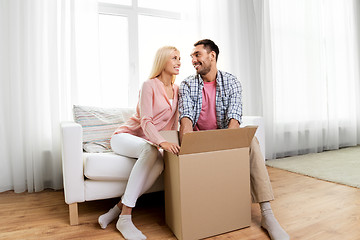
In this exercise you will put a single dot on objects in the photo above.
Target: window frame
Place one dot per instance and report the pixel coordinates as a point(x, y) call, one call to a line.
point(132, 13)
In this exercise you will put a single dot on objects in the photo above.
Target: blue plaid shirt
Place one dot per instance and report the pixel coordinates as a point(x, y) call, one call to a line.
point(228, 98)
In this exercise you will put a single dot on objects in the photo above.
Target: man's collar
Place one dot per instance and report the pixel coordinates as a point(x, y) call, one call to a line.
point(201, 81)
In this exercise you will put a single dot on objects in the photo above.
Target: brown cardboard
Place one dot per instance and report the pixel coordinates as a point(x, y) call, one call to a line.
point(207, 186)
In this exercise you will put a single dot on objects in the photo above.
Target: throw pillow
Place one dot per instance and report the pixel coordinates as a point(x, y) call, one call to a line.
point(99, 124)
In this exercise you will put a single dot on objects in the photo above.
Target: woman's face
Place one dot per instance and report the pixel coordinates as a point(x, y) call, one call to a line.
point(172, 66)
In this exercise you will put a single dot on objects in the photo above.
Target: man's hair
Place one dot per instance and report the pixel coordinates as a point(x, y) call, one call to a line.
point(209, 45)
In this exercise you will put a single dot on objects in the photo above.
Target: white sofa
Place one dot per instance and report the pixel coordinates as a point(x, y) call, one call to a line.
point(94, 176)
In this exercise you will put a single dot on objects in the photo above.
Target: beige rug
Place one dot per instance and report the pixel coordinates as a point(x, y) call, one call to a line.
point(339, 166)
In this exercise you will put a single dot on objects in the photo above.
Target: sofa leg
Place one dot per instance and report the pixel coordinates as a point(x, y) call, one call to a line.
point(73, 214)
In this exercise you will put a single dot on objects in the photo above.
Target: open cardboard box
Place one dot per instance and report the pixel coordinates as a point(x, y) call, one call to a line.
point(207, 186)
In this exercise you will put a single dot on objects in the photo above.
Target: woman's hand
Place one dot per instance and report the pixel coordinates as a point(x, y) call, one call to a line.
point(170, 147)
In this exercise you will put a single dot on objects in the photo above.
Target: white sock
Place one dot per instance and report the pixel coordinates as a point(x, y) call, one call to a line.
point(269, 222)
point(108, 217)
point(128, 229)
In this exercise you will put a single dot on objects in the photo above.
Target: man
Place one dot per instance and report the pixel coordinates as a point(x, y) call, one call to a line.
point(211, 99)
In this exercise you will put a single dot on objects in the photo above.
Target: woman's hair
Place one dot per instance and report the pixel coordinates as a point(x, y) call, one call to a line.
point(161, 57)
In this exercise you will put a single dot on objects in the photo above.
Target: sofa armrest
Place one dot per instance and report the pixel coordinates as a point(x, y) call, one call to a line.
point(72, 162)
point(260, 132)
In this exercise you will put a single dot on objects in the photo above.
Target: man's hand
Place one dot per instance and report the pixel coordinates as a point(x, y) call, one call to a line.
point(233, 123)
point(185, 127)
point(170, 147)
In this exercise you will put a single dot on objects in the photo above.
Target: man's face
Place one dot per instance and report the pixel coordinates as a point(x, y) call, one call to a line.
point(201, 59)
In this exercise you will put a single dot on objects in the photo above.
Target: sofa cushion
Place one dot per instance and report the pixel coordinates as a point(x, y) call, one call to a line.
point(107, 166)
point(99, 124)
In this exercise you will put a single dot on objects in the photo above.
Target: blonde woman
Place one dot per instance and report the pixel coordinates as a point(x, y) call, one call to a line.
point(139, 137)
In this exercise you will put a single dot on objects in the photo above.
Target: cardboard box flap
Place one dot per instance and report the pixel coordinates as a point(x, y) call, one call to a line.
point(215, 140)
point(170, 136)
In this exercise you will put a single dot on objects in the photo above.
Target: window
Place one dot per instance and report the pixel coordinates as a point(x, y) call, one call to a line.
point(167, 5)
point(148, 41)
point(130, 33)
point(114, 59)
point(121, 2)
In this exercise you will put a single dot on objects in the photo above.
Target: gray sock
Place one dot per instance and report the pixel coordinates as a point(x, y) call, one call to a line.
point(108, 217)
point(128, 229)
point(269, 222)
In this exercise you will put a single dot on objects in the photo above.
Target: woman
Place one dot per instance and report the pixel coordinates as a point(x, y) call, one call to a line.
point(139, 137)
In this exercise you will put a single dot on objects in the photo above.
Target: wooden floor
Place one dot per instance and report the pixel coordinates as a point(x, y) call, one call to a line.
point(307, 209)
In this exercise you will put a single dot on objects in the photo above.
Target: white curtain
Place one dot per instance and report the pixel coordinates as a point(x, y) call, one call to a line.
point(234, 27)
point(47, 53)
point(314, 102)
point(298, 62)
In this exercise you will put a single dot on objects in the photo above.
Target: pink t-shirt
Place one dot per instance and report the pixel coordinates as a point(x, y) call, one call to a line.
point(207, 118)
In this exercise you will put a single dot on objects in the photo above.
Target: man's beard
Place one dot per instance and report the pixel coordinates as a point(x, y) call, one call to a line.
point(204, 71)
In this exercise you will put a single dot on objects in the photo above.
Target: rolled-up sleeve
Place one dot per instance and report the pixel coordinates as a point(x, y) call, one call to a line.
point(235, 104)
point(186, 105)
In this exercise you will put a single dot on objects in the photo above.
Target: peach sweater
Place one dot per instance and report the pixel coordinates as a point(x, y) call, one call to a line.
point(154, 113)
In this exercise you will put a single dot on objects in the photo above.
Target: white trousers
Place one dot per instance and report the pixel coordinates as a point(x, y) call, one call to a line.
point(146, 170)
